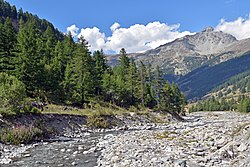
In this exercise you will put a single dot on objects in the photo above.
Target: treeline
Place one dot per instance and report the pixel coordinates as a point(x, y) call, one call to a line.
point(240, 83)
point(63, 71)
point(241, 104)
point(8, 11)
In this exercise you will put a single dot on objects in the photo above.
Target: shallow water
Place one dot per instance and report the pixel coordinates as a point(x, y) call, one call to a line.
point(77, 152)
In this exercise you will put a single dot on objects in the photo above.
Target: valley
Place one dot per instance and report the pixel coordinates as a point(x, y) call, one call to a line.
point(141, 95)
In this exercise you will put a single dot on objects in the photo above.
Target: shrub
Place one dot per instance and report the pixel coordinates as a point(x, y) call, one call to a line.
point(97, 121)
point(12, 94)
point(20, 135)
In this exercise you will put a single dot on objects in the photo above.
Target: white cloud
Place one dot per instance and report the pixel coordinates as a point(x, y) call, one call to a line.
point(240, 28)
point(95, 38)
point(114, 26)
point(136, 38)
point(73, 29)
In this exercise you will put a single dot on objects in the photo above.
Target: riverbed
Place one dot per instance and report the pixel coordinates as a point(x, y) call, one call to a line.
point(204, 139)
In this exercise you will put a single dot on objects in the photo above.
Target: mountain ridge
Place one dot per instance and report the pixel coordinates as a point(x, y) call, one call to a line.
point(185, 54)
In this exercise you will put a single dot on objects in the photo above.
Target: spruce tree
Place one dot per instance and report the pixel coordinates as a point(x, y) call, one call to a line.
point(79, 80)
point(8, 41)
point(31, 64)
point(100, 68)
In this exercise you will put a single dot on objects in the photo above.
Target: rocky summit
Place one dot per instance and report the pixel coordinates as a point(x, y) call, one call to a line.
point(192, 51)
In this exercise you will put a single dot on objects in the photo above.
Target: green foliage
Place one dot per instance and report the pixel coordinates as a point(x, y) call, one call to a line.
point(97, 121)
point(172, 99)
point(244, 105)
point(12, 94)
point(8, 39)
point(241, 104)
point(20, 135)
point(54, 68)
point(202, 80)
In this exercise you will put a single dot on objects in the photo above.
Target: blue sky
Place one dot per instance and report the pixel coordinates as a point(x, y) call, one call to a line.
point(191, 16)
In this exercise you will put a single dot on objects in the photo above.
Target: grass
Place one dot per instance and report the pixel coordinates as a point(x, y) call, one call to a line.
point(170, 135)
point(94, 110)
point(20, 135)
point(98, 114)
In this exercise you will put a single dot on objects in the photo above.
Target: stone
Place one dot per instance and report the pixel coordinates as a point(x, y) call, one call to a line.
point(80, 148)
point(180, 163)
point(114, 159)
point(26, 155)
point(242, 147)
point(74, 163)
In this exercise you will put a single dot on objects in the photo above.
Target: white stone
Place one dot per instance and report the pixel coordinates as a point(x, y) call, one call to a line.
point(242, 147)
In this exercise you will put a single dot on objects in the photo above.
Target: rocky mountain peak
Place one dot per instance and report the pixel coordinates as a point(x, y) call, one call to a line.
point(185, 54)
point(208, 29)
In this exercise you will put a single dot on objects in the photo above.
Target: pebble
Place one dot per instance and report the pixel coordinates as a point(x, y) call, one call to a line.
point(197, 142)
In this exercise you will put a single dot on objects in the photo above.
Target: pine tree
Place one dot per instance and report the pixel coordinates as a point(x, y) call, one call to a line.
point(79, 78)
point(132, 81)
point(100, 68)
point(142, 76)
point(124, 64)
point(8, 41)
point(31, 65)
point(158, 81)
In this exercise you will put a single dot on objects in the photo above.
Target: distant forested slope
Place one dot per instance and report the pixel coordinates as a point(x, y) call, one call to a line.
point(202, 80)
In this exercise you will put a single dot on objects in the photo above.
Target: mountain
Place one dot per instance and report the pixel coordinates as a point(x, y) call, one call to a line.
point(6, 10)
point(233, 87)
point(208, 47)
point(199, 82)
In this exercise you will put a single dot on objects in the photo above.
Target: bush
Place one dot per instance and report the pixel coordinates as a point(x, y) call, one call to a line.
point(97, 121)
point(20, 135)
point(12, 94)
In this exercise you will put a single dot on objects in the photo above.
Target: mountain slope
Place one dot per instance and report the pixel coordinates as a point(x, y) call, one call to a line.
point(234, 86)
point(190, 52)
point(6, 10)
point(202, 80)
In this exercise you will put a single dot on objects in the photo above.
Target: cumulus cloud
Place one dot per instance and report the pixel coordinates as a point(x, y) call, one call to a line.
point(240, 28)
point(114, 26)
point(95, 38)
point(136, 38)
point(73, 29)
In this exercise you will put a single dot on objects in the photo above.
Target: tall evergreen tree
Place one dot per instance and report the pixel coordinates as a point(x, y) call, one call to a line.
point(79, 79)
point(31, 66)
point(158, 84)
point(100, 68)
point(132, 80)
point(124, 64)
point(8, 41)
point(142, 76)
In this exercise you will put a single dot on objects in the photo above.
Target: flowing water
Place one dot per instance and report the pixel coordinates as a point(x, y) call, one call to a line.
point(76, 152)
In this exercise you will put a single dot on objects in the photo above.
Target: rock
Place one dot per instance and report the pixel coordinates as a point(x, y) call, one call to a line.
point(115, 159)
point(74, 163)
point(242, 147)
point(5, 161)
point(80, 148)
point(180, 163)
point(62, 150)
point(60, 165)
point(192, 164)
point(27, 155)
point(221, 142)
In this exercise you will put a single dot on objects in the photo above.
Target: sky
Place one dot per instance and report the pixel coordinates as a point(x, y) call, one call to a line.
point(140, 25)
